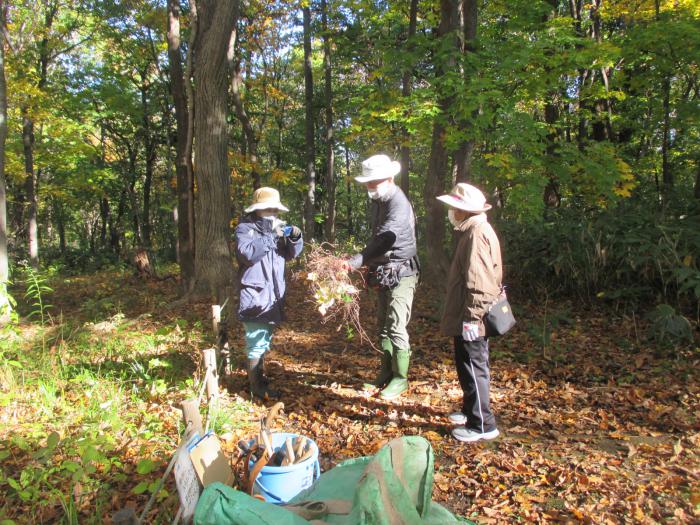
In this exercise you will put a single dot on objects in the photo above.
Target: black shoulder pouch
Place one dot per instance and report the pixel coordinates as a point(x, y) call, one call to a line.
point(499, 319)
point(385, 276)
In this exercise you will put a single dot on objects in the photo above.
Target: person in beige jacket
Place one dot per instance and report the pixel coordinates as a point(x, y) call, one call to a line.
point(473, 284)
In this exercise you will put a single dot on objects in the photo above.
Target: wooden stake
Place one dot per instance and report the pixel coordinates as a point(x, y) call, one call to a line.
point(209, 364)
point(215, 318)
point(191, 417)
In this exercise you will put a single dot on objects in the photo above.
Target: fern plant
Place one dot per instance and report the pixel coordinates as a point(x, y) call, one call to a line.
point(37, 289)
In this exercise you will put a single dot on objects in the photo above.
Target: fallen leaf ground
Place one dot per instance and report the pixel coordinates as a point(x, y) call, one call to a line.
point(596, 426)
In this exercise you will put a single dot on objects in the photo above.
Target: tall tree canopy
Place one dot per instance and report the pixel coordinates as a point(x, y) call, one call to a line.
point(139, 126)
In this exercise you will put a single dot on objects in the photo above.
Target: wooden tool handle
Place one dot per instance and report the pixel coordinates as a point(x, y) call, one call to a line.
point(290, 449)
point(259, 464)
point(307, 454)
point(300, 444)
point(267, 442)
point(272, 415)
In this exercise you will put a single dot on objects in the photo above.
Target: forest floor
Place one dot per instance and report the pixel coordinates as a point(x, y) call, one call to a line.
point(596, 425)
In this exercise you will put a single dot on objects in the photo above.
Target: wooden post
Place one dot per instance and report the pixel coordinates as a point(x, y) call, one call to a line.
point(191, 417)
point(212, 377)
point(215, 318)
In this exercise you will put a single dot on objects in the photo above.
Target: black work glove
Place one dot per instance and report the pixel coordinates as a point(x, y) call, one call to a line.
point(294, 232)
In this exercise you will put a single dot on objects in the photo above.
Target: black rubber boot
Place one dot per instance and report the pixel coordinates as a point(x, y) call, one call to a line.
point(263, 378)
point(265, 382)
point(257, 389)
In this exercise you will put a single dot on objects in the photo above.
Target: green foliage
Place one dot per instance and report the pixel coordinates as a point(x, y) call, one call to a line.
point(627, 254)
point(8, 305)
point(668, 327)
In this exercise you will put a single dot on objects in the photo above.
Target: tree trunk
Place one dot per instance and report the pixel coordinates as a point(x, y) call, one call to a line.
point(28, 141)
point(149, 147)
point(463, 155)
point(183, 162)
point(406, 85)
point(131, 190)
point(104, 215)
point(146, 212)
point(213, 268)
point(435, 210)
point(5, 307)
point(30, 188)
point(61, 227)
point(330, 139)
point(310, 201)
point(438, 162)
point(115, 228)
point(351, 224)
point(697, 182)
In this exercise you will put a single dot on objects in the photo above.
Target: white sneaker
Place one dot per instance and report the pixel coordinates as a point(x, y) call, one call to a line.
point(457, 418)
point(467, 435)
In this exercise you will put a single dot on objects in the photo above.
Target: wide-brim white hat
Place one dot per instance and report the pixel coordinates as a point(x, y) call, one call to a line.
point(467, 198)
point(378, 167)
point(266, 198)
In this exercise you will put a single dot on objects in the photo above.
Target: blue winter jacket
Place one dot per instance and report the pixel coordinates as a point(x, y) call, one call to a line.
point(261, 257)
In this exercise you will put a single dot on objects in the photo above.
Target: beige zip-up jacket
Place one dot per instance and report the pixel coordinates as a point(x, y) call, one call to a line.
point(474, 281)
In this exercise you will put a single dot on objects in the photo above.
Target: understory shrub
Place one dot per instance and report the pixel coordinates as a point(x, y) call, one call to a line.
point(627, 254)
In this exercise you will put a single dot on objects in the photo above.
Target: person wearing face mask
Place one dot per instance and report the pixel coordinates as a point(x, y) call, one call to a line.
point(473, 285)
point(392, 260)
point(264, 243)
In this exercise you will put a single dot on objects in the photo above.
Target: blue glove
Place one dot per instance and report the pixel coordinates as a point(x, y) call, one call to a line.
point(287, 230)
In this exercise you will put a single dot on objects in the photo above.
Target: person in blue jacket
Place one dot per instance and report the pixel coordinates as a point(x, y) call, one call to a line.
point(263, 244)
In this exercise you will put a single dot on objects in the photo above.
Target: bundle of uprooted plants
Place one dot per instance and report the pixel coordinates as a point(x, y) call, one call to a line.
point(335, 295)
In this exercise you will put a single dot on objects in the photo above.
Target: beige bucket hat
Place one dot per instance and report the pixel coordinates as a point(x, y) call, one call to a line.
point(265, 198)
point(378, 167)
point(467, 198)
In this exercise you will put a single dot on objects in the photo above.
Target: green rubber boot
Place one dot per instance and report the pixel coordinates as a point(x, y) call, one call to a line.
point(385, 374)
point(399, 384)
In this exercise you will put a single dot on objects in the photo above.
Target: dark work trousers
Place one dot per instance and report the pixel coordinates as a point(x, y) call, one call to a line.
point(472, 361)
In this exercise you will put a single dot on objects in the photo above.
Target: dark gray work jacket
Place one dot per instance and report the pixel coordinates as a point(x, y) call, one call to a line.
point(393, 226)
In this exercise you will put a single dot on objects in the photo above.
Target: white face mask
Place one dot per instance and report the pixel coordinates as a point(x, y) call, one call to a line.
point(453, 220)
point(380, 191)
point(273, 220)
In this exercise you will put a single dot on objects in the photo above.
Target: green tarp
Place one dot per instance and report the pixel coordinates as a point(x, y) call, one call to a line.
point(394, 487)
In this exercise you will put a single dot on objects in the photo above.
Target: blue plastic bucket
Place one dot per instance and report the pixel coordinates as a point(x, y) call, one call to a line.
point(280, 484)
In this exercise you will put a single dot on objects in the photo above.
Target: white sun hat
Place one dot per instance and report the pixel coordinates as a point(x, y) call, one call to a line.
point(378, 167)
point(467, 198)
point(266, 198)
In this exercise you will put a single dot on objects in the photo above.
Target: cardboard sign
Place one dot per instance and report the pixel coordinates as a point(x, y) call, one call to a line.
point(209, 461)
point(188, 486)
